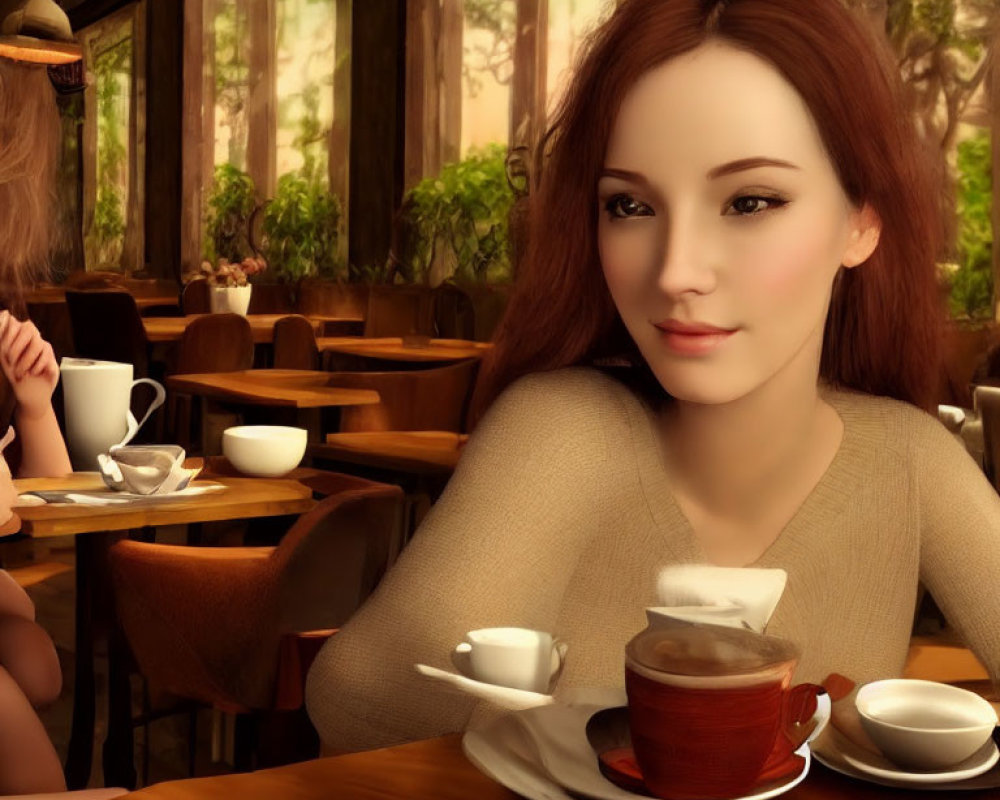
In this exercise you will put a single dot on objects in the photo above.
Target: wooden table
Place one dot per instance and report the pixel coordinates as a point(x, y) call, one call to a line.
point(59, 296)
point(396, 349)
point(436, 769)
point(306, 391)
point(170, 329)
point(242, 498)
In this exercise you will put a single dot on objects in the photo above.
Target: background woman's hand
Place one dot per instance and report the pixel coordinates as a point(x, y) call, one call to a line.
point(29, 364)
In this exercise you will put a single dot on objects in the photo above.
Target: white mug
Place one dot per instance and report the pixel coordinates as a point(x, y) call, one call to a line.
point(519, 658)
point(96, 396)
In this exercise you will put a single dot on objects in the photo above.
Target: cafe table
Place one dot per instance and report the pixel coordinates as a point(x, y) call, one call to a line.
point(170, 329)
point(395, 348)
point(436, 769)
point(93, 528)
point(305, 391)
point(58, 295)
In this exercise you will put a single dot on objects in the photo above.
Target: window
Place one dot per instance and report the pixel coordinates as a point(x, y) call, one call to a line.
point(273, 106)
point(113, 131)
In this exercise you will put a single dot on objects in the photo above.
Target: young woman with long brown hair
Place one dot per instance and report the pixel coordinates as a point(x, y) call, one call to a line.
point(30, 674)
point(721, 348)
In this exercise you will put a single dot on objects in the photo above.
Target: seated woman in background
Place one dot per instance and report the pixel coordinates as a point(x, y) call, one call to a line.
point(721, 348)
point(30, 674)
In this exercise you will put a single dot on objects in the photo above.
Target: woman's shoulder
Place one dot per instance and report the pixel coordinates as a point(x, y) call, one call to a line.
point(580, 390)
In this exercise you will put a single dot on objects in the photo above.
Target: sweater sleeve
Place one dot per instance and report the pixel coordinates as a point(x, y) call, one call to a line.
point(960, 539)
point(498, 548)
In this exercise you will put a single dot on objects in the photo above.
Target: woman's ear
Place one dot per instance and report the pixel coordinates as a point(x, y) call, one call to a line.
point(866, 228)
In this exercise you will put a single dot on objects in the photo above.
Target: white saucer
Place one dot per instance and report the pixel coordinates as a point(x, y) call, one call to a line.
point(979, 771)
point(543, 754)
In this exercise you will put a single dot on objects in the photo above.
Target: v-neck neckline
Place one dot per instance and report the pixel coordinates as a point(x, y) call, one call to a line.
point(829, 496)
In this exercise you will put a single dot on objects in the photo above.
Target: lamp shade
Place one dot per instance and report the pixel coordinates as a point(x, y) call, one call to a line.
point(37, 31)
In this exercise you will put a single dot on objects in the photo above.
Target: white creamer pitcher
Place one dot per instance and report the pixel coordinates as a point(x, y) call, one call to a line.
point(96, 397)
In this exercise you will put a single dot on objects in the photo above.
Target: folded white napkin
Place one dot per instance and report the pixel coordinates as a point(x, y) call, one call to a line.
point(145, 469)
point(500, 696)
point(738, 597)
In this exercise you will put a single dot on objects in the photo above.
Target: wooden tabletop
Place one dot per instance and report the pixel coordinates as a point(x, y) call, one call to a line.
point(420, 452)
point(395, 348)
point(436, 769)
point(170, 329)
point(59, 296)
point(295, 388)
point(241, 498)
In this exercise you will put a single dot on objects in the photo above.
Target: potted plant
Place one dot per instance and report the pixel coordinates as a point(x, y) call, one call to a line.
point(456, 225)
point(228, 287)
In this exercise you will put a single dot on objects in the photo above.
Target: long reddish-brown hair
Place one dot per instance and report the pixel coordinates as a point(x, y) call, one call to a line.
point(29, 138)
point(883, 329)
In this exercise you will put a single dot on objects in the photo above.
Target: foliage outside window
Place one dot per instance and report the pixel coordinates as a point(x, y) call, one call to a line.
point(288, 102)
point(971, 284)
point(458, 222)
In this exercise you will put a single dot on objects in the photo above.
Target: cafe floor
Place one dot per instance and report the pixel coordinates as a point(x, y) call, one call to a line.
point(54, 602)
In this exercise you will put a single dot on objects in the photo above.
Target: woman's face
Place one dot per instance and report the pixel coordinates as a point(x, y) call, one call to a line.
point(722, 225)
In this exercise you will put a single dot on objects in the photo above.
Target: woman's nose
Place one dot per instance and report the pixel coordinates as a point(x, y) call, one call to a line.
point(684, 263)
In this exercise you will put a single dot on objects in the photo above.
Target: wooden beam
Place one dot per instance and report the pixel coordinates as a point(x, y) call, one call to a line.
point(262, 119)
point(376, 170)
point(192, 142)
point(450, 79)
point(164, 70)
point(340, 129)
point(992, 88)
point(527, 100)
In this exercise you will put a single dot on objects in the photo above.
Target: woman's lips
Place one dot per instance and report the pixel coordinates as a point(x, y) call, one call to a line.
point(693, 339)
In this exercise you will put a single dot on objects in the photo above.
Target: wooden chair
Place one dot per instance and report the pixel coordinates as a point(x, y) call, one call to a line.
point(295, 344)
point(194, 297)
point(987, 402)
point(225, 626)
point(434, 399)
point(213, 343)
point(107, 326)
point(489, 304)
point(399, 311)
point(271, 298)
point(317, 296)
point(454, 316)
point(431, 402)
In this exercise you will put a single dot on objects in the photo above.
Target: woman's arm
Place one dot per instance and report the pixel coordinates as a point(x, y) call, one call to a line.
point(960, 540)
point(498, 548)
point(30, 366)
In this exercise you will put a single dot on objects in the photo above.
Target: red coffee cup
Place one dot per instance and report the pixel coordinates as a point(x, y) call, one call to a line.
point(712, 711)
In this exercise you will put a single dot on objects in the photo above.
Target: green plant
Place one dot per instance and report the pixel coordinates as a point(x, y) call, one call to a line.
point(300, 229)
point(229, 208)
point(971, 284)
point(460, 218)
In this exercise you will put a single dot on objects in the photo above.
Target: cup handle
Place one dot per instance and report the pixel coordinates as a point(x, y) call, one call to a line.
point(461, 657)
point(161, 395)
point(807, 711)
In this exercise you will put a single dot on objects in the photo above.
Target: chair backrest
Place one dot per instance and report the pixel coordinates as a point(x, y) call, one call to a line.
point(194, 298)
point(335, 555)
point(411, 400)
point(987, 401)
point(271, 298)
point(215, 343)
point(399, 311)
point(317, 296)
point(454, 316)
point(295, 344)
point(107, 326)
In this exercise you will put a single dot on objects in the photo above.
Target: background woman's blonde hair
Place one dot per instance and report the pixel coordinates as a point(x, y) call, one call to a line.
point(29, 141)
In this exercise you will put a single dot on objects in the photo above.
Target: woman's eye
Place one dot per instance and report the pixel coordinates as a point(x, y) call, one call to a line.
point(622, 206)
point(749, 205)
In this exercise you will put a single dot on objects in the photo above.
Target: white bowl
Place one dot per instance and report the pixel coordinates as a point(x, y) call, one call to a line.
point(923, 725)
point(265, 451)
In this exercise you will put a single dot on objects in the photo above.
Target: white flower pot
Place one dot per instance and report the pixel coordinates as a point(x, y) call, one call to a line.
point(233, 299)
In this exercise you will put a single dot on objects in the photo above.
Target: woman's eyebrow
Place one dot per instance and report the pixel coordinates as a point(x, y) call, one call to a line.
point(626, 175)
point(748, 163)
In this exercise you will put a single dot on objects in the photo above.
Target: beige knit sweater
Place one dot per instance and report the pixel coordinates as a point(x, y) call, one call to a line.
point(560, 515)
